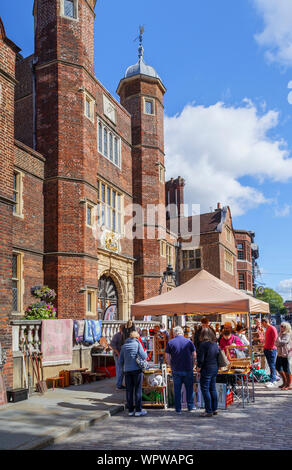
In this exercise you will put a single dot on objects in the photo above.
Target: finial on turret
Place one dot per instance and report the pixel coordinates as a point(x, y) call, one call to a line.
point(141, 50)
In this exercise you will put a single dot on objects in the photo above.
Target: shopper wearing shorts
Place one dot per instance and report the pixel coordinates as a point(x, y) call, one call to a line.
point(284, 355)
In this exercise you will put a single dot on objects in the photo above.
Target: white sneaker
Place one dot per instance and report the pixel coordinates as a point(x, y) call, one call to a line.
point(141, 413)
point(131, 413)
point(270, 384)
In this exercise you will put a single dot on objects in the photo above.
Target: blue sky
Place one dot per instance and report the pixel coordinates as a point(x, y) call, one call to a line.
point(226, 66)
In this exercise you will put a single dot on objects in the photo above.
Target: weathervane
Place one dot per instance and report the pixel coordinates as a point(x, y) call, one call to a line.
point(141, 50)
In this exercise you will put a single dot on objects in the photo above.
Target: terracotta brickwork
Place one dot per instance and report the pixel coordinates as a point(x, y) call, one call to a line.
point(24, 100)
point(244, 260)
point(63, 119)
point(218, 248)
point(148, 189)
point(7, 83)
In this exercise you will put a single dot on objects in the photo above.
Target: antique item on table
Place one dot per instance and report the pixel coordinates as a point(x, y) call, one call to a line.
point(103, 342)
point(97, 349)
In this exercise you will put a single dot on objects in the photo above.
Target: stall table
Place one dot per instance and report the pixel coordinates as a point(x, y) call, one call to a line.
point(106, 359)
point(241, 393)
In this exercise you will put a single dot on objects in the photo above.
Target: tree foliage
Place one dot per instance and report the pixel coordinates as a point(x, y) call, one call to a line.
point(275, 301)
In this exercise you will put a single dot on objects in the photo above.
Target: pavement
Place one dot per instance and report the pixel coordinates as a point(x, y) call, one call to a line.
point(93, 416)
point(45, 419)
point(263, 425)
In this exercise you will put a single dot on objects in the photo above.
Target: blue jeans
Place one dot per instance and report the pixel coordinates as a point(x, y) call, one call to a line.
point(208, 388)
point(271, 355)
point(186, 378)
point(133, 381)
point(119, 371)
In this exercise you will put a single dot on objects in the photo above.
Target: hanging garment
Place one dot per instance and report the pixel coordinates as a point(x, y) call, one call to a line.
point(92, 331)
point(79, 326)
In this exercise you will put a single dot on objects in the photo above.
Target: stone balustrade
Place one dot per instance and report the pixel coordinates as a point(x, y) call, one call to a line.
point(31, 330)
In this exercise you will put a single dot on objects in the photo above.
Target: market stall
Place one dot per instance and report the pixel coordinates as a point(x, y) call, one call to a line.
point(205, 294)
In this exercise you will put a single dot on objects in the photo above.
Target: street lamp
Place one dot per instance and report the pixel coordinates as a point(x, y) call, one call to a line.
point(168, 275)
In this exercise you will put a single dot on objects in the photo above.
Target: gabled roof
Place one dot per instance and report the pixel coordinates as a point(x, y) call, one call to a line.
point(3, 36)
point(210, 221)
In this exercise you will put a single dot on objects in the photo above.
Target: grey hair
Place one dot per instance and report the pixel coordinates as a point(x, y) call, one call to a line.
point(178, 331)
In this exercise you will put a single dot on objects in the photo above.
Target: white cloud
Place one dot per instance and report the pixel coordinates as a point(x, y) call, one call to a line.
point(213, 147)
point(277, 34)
point(284, 211)
point(285, 287)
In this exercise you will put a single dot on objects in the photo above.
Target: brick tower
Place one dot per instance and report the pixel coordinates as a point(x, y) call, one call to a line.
point(66, 135)
point(8, 52)
point(141, 92)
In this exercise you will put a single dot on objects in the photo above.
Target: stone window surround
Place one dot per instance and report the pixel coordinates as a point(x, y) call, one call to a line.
point(148, 99)
point(91, 101)
point(119, 210)
point(92, 293)
point(228, 262)
point(100, 143)
point(20, 283)
point(92, 207)
point(19, 194)
point(62, 10)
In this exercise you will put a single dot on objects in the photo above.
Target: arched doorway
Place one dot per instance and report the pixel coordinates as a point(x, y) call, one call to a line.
point(107, 296)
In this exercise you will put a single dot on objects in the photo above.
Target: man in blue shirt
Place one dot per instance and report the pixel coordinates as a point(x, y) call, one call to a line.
point(181, 355)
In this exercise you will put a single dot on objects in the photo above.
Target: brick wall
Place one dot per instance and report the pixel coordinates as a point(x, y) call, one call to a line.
point(148, 153)
point(24, 100)
point(244, 266)
point(7, 83)
point(28, 229)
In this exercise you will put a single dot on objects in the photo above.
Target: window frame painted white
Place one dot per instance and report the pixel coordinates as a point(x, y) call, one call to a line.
point(107, 132)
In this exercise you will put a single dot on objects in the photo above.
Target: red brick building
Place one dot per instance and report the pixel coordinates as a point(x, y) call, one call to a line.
point(75, 167)
point(69, 181)
point(247, 253)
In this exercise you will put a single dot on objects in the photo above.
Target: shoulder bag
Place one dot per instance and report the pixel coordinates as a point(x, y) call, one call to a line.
point(222, 359)
point(142, 363)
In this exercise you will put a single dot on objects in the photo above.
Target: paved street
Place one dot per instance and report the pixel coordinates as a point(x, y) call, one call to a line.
point(265, 424)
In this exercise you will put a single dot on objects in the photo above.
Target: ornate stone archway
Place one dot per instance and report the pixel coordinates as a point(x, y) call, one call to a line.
point(111, 292)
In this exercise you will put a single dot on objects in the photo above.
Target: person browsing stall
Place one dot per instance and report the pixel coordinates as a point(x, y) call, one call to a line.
point(229, 341)
point(207, 366)
point(181, 355)
point(270, 351)
point(204, 324)
point(133, 373)
point(116, 345)
point(284, 352)
point(240, 332)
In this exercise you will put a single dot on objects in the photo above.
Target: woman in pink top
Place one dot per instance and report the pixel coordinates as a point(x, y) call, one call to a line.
point(229, 341)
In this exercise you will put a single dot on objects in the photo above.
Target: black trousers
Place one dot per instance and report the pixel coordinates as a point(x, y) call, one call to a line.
point(133, 380)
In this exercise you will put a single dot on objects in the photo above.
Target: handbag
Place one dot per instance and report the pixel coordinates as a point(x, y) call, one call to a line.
point(142, 363)
point(222, 359)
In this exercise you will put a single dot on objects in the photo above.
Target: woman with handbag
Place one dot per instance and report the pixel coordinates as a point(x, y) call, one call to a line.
point(207, 366)
point(130, 350)
point(284, 352)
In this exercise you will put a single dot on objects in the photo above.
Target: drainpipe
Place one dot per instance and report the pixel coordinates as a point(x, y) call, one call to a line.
point(33, 64)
